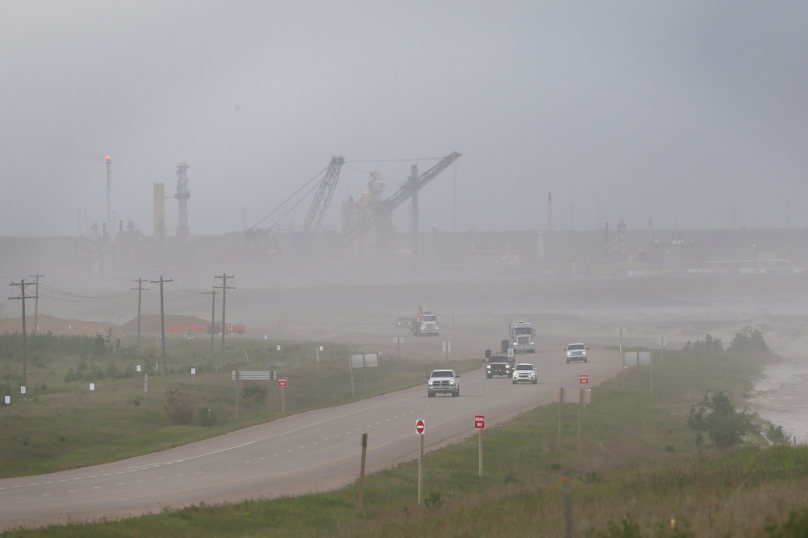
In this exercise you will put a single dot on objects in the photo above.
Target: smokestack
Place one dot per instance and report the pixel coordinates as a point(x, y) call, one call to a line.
point(110, 220)
point(182, 197)
point(550, 212)
point(159, 215)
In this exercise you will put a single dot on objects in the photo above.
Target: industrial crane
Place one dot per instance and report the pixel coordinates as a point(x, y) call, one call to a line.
point(263, 238)
point(366, 221)
point(322, 198)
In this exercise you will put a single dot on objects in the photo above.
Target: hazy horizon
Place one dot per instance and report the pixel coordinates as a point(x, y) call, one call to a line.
point(675, 112)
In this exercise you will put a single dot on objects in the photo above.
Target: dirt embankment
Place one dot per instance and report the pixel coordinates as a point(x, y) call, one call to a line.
point(150, 323)
point(60, 326)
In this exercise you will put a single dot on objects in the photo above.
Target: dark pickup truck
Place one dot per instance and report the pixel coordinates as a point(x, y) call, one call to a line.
point(497, 364)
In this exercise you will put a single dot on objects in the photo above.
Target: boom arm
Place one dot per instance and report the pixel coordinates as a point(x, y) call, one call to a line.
point(386, 207)
point(322, 198)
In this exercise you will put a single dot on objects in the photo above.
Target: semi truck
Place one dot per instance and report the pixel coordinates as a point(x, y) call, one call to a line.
point(425, 323)
point(520, 335)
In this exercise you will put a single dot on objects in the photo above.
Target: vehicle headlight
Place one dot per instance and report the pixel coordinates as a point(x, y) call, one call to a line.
point(488, 366)
point(429, 383)
point(451, 382)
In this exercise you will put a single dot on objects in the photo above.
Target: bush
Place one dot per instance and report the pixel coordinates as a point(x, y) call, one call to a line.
point(776, 435)
point(708, 346)
point(179, 406)
point(748, 342)
point(796, 526)
point(255, 392)
point(725, 426)
point(207, 417)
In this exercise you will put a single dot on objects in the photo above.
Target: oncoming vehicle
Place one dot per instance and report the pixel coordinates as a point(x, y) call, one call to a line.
point(576, 352)
point(521, 337)
point(443, 381)
point(425, 323)
point(403, 323)
point(525, 371)
point(497, 363)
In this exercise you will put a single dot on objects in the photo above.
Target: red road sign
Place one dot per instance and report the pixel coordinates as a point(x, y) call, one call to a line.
point(583, 379)
point(420, 426)
point(282, 382)
point(479, 422)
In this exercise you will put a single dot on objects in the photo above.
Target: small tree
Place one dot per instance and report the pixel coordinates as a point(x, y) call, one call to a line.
point(707, 346)
point(179, 406)
point(725, 426)
point(255, 392)
point(749, 341)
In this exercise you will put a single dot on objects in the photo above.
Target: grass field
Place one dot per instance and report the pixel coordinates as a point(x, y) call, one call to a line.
point(62, 425)
point(636, 466)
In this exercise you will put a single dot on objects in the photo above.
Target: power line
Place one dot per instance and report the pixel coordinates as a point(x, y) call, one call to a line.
point(162, 281)
point(292, 196)
point(224, 287)
point(397, 160)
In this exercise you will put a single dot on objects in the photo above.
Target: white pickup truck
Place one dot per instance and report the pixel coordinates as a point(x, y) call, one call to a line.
point(443, 381)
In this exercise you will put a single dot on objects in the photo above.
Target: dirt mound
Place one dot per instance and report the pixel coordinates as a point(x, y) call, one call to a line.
point(150, 323)
point(60, 326)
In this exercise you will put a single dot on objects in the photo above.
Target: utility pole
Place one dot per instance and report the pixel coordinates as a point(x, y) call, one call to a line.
point(162, 319)
point(36, 302)
point(224, 287)
point(22, 285)
point(414, 213)
point(212, 321)
point(139, 290)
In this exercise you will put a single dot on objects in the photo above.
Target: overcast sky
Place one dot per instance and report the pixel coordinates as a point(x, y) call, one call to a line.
point(667, 110)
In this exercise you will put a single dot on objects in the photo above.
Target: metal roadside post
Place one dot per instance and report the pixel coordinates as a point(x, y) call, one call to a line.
point(193, 374)
point(23, 391)
point(479, 424)
point(146, 382)
point(397, 340)
point(282, 382)
point(622, 356)
point(280, 351)
point(580, 397)
point(364, 443)
point(351, 361)
point(565, 480)
point(420, 428)
point(583, 379)
point(447, 347)
point(8, 403)
point(560, 401)
point(92, 392)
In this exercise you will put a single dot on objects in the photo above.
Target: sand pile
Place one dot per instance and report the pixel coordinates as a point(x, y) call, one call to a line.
point(150, 323)
point(60, 326)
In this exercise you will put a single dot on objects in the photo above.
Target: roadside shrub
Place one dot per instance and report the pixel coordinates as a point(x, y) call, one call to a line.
point(776, 435)
point(749, 341)
point(725, 426)
point(179, 406)
point(207, 417)
point(708, 346)
point(255, 392)
point(796, 526)
point(433, 501)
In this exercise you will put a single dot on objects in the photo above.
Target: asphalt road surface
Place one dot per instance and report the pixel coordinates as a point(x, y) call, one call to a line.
point(315, 451)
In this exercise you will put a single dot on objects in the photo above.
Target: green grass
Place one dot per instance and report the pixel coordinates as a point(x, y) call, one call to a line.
point(61, 426)
point(636, 460)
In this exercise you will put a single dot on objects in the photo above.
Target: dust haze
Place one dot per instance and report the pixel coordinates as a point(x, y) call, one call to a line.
point(670, 136)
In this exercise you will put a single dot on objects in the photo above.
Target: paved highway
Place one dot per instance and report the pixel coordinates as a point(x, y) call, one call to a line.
point(314, 451)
